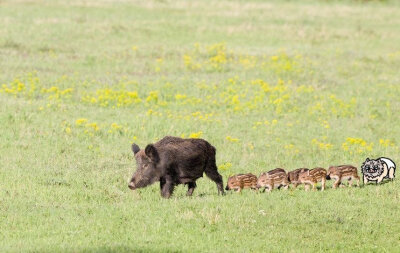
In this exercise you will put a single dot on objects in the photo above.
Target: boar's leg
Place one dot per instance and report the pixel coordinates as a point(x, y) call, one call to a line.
point(211, 171)
point(191, 186)
point(162, 183)
point(213, 174)
point(167, 188)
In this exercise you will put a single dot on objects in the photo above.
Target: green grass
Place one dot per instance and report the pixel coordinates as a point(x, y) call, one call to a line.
point(270, 84)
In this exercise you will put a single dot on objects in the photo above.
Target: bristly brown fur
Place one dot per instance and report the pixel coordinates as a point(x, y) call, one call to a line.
point(343, 172)
point(241, 181)
point(293, 176)
point(173, 161)
point(312, 177)
point(273, 179)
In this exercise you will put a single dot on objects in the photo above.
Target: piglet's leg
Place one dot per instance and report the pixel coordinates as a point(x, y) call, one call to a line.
point(358, 181)
point(350, 182)
point(241, 186)
point(191, 187)
point(337, 182)
point(314, 186)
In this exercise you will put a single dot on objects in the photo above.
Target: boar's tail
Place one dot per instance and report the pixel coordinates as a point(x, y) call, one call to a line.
point(212, 151)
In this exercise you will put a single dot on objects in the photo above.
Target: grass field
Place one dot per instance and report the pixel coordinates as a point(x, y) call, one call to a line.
point(269, 83)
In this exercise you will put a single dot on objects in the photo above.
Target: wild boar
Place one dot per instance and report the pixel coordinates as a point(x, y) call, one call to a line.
point(293, 176)
point(173, 161)
point(273, 179)
point(343, 172)
point(312, 177)
point(241, 181)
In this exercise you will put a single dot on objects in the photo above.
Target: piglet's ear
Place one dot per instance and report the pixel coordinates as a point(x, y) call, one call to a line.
point(152, 153)
point(135, 148)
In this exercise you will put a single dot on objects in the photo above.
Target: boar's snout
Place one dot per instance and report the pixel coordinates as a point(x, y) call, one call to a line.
point(131, 186)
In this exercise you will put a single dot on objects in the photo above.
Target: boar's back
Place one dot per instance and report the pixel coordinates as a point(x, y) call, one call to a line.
point(186, 159)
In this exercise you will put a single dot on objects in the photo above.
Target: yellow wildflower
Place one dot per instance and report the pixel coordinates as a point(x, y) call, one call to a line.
point(231, 139)
point(225, 166)
point(115, 126)
point(153, 96)
point(94, 126)
point(80, 121)
point(196, 135)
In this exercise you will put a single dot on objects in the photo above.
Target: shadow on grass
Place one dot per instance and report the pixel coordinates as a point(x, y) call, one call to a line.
point(376, 184)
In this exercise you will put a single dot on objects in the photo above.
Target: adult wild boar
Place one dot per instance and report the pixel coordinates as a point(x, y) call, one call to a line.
point(174, 161)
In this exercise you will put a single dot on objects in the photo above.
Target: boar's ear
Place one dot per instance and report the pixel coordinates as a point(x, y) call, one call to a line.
point(367, 160)
point(135, 148)
point(152, 153)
